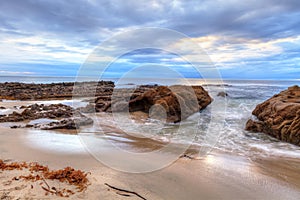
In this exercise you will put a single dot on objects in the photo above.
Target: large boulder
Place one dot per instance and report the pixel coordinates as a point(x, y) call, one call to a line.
point(173, 103)
point(279, 116)
point(176, 102)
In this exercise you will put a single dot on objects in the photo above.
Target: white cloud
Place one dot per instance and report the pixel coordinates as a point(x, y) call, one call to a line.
point(36, 49)
point(4, 72)
point(225, 49)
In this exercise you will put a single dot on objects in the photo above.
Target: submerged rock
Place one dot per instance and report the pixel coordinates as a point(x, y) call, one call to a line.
point(279, 116)
point(222, 94)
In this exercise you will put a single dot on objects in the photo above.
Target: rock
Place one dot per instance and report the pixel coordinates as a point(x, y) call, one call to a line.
point(174, 103)
point(119, 106)
point(27, 91)
point(69, 123)
point(255, 126)
point(68, 117)
point(1, 107)
point(279, 116)
point(90, 108)
point(15, 126)
point(29, 126)
point(177, 102)
point(103, 102)
point(222, 94)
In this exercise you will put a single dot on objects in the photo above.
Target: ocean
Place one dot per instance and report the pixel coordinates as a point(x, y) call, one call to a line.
point(221, 125)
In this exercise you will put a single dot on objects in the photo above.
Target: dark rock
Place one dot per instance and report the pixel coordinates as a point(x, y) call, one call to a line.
point(29, 126)
point(26, 91)
point(68, 117)
point(222, 94)
point(14, 127)
point(1, 107)
point(279, 116)
point(69, 123)
point(255, 126)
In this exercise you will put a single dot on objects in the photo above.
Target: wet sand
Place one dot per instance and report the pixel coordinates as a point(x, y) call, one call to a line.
point(216, 176)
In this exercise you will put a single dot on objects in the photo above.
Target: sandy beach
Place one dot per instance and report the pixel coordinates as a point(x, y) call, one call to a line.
point(149, 100)
point(216, 176)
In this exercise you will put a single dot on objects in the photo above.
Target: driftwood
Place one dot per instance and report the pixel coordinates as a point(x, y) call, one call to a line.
point(123, 190)
point(187, 156)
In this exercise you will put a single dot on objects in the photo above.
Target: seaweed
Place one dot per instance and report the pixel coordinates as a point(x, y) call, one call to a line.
point(40, 172)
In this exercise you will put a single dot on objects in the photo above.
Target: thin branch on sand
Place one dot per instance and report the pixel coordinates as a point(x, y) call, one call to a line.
point(123, 190)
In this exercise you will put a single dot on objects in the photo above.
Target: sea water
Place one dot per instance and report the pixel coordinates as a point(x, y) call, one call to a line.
point(221, 125)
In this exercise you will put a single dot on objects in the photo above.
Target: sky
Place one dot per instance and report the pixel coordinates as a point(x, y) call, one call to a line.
point(253, 39)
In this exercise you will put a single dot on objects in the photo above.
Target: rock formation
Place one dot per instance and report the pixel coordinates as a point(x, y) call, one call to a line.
point(174, 103)
point(27, 91)
point(65, 117)
point(279, 116)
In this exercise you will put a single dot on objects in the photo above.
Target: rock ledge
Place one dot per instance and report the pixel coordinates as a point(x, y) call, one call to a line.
point(279, 116)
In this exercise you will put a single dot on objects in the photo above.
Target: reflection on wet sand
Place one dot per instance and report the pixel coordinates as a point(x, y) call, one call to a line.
point(218, 175)
point(284, 169)
point(215, 176)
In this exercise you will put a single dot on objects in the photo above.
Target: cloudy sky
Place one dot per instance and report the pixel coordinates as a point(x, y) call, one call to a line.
point(254, 39)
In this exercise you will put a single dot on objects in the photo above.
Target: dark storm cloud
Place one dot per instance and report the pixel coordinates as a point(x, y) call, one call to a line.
point(254, 19)
point(71, 17)
point(271, 18)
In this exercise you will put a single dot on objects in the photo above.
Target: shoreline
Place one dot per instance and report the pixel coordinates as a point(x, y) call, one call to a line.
point(218, 175)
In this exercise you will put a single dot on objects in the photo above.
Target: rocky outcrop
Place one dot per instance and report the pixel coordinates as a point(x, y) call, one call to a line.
point(173, 104)
point(66, 117)
point(37, 111)
point(68, 123)
point(26, 91)
point(279, 116)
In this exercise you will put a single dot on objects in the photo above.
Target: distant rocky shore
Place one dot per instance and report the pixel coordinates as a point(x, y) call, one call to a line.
point(279, 116)
point(31, 91)
point(172, 104)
